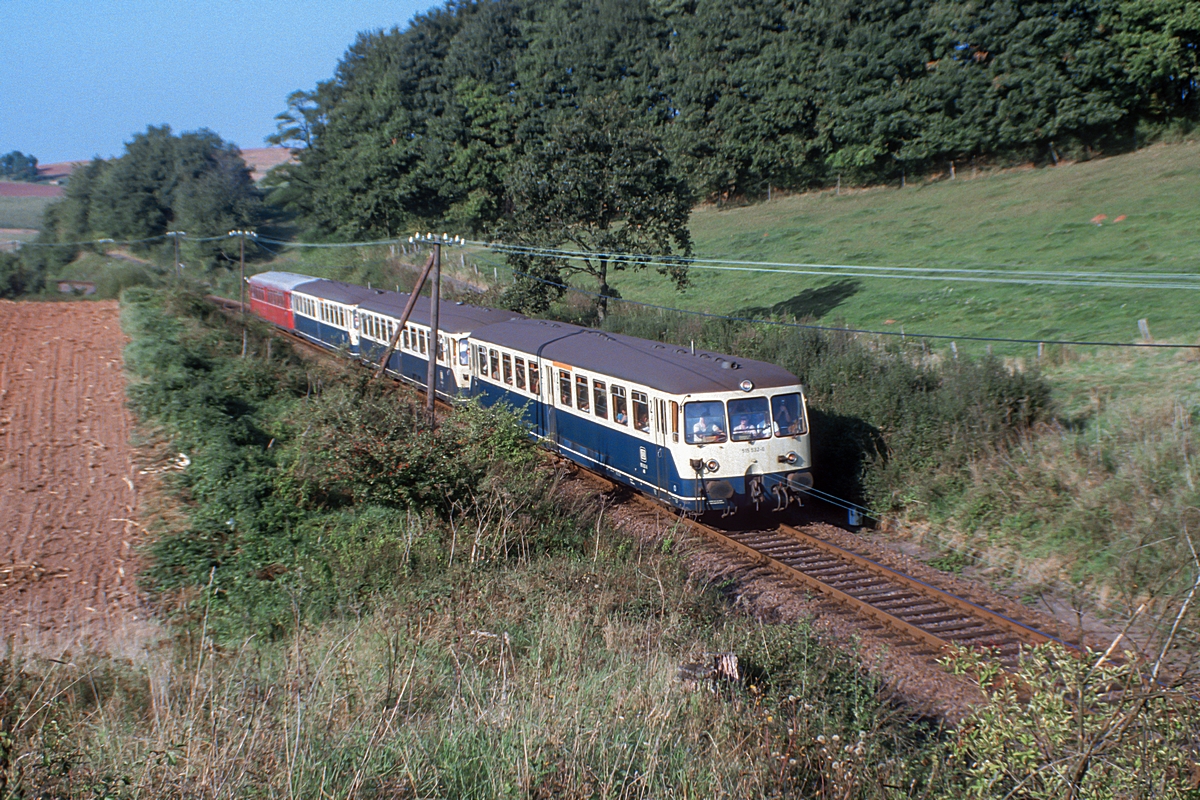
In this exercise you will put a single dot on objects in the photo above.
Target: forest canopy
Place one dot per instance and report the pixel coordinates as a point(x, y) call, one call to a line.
point(426, 123)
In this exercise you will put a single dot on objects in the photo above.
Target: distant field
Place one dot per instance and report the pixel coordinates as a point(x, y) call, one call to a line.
point(23, 212)
point(1035, 219)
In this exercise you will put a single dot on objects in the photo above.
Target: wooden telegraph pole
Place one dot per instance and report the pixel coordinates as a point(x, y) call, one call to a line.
point(432, 269)
point(242, 261)
point(435, 300)
point(175, 235)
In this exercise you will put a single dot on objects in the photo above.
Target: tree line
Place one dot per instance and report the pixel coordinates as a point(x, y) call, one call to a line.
point(492, 116)
point(429, 122)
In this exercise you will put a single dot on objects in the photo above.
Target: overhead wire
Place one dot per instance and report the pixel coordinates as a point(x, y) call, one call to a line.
point(838, 329)
point(1016, 276)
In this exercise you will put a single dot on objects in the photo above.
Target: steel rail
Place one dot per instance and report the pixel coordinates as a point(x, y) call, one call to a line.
point(953, 600)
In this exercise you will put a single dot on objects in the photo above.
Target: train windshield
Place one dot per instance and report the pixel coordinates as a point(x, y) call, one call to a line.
point(749, 419)
point(789, 415)
point(704, 423)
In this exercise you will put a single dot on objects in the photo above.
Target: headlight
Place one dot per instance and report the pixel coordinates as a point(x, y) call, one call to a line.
point(712, 465)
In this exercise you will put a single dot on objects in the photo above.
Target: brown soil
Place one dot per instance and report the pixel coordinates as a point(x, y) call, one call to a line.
point(67, 496)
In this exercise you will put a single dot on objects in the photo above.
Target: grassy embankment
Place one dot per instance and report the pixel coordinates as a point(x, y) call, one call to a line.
point(23, 212)
point(1026, 218)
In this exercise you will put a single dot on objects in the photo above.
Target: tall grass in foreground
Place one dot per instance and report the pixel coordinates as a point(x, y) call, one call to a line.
point(553, 680)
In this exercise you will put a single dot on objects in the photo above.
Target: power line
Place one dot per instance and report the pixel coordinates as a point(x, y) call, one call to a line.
point(902, 334)
point(1106, 280)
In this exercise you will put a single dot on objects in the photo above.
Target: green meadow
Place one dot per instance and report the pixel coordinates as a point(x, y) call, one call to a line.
point(23, 212)
point(1011, 221)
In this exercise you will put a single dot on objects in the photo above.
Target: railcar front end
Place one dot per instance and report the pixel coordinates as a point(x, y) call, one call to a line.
point(746, 450)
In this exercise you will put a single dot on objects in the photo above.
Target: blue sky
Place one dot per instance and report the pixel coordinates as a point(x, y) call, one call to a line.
point(79, 78)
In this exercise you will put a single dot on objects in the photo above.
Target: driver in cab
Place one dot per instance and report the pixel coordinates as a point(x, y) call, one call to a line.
point(706, 430)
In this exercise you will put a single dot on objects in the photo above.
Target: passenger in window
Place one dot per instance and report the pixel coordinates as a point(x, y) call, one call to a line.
point(743, 426)
point(641, 419)
point(786, 410)
point(534, 386)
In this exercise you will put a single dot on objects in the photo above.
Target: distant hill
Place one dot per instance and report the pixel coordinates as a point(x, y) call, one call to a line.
point(262, 159)
point(21, 189)
point(259, 159)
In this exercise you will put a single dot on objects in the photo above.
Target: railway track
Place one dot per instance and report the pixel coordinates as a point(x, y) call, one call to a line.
point(917, 612)
point(926, 615)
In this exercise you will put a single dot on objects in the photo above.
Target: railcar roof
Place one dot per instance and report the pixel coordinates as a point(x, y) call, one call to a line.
point(338, 291)
point(284, 281)
point(453, 317)
point(672, 369)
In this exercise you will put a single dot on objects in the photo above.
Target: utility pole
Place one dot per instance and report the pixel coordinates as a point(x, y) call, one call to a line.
point(175, 235)
point(242, 260)
point(433, 269)
point(435, 300)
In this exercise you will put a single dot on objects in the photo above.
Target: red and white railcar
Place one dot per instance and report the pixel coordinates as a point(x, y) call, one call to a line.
point(271, 296)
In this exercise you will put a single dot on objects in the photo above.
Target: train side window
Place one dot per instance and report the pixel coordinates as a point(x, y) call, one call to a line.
point(404, 338)
point(520, 366)
point(661, 407)
point(601, 399)
point(495, 362)
point(507, 360)
point(391, 330)
point(564, 387)
point(421, 342)
point(535, 386)
point(674, 421)
point(464, 353)
point(620, 412)
point(581, 393)
point(641, 412)
point(481, 360)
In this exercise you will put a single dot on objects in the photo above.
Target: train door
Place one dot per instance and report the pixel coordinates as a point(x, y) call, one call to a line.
point(354, 332)
point(549, 404)
point(662, 476)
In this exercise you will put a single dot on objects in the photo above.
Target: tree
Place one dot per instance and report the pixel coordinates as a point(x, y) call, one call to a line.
point(18, 167)
point(296, 127)
point(598, 183)
point(195, 182)
point(1159, 42)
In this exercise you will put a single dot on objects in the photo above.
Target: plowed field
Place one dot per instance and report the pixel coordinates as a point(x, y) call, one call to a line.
point(67, 497)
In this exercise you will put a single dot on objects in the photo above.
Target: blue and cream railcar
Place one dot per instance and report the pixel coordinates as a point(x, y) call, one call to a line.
point(323, 311)
point(697, 429)
point(377, 317)
point(361, 321)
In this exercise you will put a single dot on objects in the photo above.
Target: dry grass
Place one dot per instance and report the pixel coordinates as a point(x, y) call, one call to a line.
point(554, 680)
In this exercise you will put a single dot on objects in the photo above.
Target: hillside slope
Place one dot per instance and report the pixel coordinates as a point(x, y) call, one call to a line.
point(1015, 219)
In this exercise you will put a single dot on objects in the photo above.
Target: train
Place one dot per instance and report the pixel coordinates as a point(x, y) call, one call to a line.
point(697, 430)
